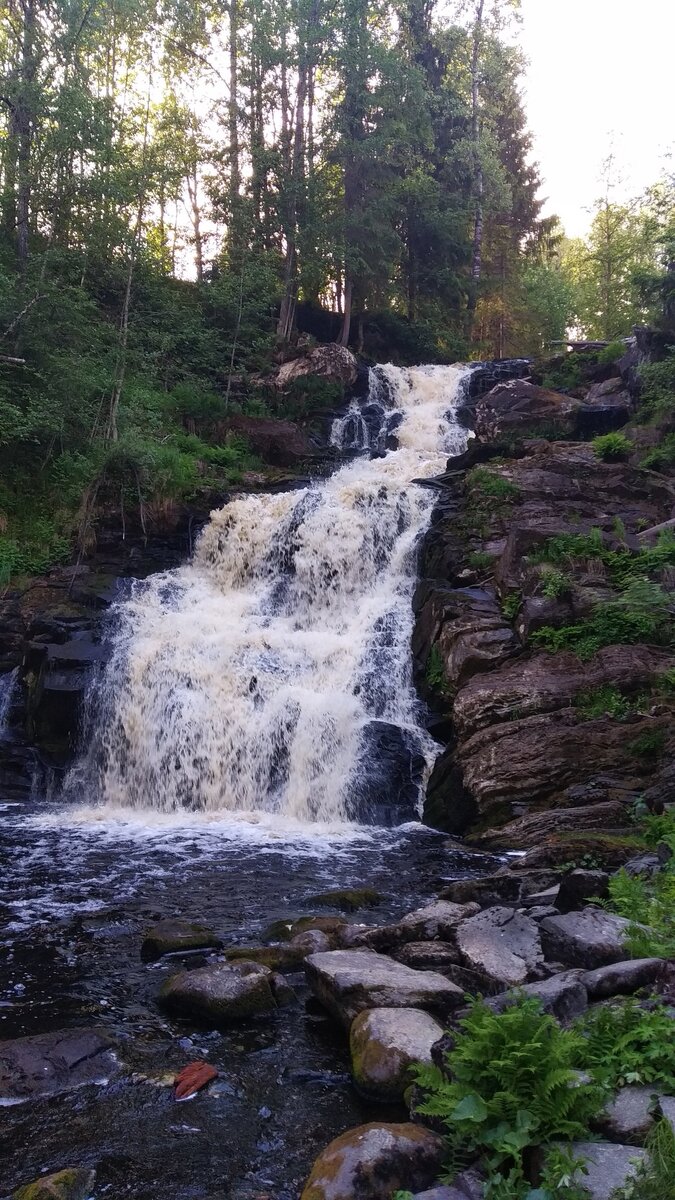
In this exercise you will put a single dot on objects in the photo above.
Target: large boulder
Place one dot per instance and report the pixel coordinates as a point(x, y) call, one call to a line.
point(173, 935)
point(590, 938)
point(349, 981)
point(628, 1118)
point(332, 362)
point(468, 631)
point(51, 1063)
point(563, 995)
point(385, 1043)
point(220, 994)
point(374, 1161)
point(607, 406)
point(73, 1183)
point(502, 944)
point(520, 408)
point(622, 978)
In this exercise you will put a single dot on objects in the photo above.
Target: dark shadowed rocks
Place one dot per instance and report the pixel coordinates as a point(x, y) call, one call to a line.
point(621, 978)
point(52, 1063)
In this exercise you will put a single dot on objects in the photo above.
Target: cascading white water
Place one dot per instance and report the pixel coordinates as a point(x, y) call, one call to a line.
point(273, 672)
point(7, 686)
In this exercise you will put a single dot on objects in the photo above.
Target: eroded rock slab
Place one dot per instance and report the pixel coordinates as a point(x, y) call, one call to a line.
point(562, 995)
point(502, 944)
point(222, 993)
point(349, 981)
point(385, 1043)
point(55, 1062)
point(621, 978)
point(373, 1161)
point(608, 1167)
point(590, 938)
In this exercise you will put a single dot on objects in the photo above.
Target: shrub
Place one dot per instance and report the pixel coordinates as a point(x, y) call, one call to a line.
point(604, 701)
point(611, 353)
point(492, 485)
point(554, 583)
point(612, 447)
point(435, 670)
point(641, 613)
point(649, 904)
point(511, 604)
point(649, 744)
point(662, 456)
point(511, 1084)
point(480, 560)
point(655, 1179)
point(657, 396)
point(625, 1043)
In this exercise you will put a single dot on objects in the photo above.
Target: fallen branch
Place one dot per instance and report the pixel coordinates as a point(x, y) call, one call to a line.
point(14, 362)
point(645, 534)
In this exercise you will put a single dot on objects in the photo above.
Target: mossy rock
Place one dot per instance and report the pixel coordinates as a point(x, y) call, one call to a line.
point(74, 1183)
point(286, 930)
point(277, 958)
point(172, 936)
point(348, 899)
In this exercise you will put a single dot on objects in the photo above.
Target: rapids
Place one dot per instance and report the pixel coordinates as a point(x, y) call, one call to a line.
point(272, 673)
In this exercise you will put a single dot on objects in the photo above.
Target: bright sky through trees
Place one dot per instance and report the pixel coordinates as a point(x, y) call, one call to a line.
point(600, 72)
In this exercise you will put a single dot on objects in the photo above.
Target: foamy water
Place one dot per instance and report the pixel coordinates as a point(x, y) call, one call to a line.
point(258, 678)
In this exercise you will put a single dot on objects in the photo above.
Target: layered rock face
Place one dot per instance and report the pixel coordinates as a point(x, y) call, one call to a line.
point(550, 739)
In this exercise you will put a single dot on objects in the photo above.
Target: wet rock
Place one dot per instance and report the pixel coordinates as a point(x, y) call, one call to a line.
point(494, 889)
point(579, 886)
point(590, 938)
point(621, 978)
point(286, 931)
point(468, 631)
point(52, 1063)
point(521, 408)
point(562, 995)
point(174, 935)
point(644, 864)
point(427, 956)
point(222, 993)
point(279, 443)
point(328, 361)
point(282, 991)
point(374, 1161)
point(347, 899)
point(385, 1043)
point(628, 1117)
point(391, 771)
point(608, 1167)
point(437, 920)
point(536, 829)
point(74, 1183)
point(349, 981)
point(287, 956)
point(502, 944)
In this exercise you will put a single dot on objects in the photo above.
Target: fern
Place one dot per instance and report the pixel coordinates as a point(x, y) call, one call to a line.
point(511, 1082)
point(649, 904)
point(655, 1179)
point(625, 1043)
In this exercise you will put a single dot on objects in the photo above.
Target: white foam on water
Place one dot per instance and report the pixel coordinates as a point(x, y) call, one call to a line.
point(245, 685)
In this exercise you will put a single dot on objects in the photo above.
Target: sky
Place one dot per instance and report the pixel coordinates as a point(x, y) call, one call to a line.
point(601, 77)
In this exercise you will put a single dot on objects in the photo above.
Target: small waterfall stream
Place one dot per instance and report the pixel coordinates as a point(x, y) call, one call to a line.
point(273, 672)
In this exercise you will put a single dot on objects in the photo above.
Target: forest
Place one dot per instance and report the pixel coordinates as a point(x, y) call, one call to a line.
point(187, 190)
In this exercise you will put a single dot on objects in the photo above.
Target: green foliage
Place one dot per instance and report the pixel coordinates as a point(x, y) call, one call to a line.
point(649, 744)
point(657, 379)
point(611, 353)
point(554, 583)
point(640, 613)
point(569, 374)
point(480, 560)
point(511, 604)
point(655, 1179)
point(491, 485)
point(612, 447)
point(626, 1042)
point(511, 1083)
point(649, 904)
point(603, 701)
point(662, 457)
point(435, 670)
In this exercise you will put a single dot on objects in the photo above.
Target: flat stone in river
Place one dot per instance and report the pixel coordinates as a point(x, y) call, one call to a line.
point(55, 1062)
point(222, 993)
point(349, 981)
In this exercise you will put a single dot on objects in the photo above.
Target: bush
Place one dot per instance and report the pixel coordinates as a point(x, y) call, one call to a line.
point(662, 456)
point(435, 670)
point(655, 1180)
point(611, 353)
point(604, 701)
point(554, 583)
point(624, 1042)
point(641, 613)
point(612, 447)
point(657, 397)
point(511, 604)
point(649, 744)
point(492, 485)
point(480, 560)
point(649, 904)
point(511, 1083)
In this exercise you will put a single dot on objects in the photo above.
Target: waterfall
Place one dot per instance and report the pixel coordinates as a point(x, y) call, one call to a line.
point(7, 686)
point(273, 672)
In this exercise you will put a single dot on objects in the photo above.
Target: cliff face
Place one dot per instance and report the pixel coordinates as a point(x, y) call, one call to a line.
point(544, 632)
